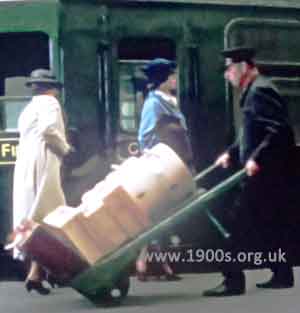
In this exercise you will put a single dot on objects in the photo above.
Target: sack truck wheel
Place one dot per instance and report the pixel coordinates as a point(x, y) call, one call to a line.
point(112, 296)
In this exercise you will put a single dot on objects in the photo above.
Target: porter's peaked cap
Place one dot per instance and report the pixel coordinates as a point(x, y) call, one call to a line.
point(239, 54)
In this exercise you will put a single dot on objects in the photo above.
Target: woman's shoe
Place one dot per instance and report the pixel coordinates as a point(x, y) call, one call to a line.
point(141, 276)
point(169, 274)
point(37, 286)
point(52, 281)
point(172, 277)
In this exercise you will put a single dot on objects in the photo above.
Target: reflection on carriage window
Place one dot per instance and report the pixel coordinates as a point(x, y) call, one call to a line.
point(132, 92)
point(10, 109)
point(17, 61)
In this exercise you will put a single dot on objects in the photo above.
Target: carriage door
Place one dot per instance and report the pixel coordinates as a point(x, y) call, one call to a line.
point(133, 53)
point(278, 45)
point(17, 61)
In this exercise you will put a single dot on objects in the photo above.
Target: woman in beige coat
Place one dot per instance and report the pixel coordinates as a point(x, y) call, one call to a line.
point(37, 184)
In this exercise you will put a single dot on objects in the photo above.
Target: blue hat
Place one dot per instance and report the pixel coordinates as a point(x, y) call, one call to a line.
point(158, 70)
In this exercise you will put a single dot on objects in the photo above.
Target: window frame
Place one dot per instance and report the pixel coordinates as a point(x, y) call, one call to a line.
point(284, 70)
point(25, 96)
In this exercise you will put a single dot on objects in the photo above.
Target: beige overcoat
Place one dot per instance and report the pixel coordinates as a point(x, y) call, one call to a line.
point(37, 184)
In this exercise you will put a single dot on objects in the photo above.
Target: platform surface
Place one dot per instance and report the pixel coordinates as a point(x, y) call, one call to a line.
point(158, 296)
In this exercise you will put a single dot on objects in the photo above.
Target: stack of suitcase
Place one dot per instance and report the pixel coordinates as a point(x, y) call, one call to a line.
point(141, 192)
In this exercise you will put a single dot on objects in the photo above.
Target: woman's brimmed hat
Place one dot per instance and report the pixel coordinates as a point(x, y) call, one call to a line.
point(43, 77)
point(159, 69)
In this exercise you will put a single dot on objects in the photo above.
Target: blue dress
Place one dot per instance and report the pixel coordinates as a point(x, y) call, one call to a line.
point(155, 107)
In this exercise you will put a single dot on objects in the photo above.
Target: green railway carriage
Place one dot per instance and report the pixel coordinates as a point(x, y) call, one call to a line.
point(98, 47)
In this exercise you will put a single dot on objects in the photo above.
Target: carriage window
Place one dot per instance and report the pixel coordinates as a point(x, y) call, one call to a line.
point(132, 87)
point(278, 57)
point(17, 61)
point(133, 54)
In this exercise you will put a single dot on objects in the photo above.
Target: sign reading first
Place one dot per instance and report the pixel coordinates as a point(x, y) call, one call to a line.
point(8, 150)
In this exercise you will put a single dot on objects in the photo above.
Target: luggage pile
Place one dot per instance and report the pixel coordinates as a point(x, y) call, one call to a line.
point(131, 199)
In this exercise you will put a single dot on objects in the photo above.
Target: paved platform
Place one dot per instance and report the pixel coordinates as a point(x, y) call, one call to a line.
point(183, 297)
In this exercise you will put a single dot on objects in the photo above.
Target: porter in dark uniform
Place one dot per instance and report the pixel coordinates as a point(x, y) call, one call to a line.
point(264, 146)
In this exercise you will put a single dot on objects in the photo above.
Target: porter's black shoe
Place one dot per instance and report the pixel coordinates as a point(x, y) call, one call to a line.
point(275, 283)
point(234, 284)
point(225, 290)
